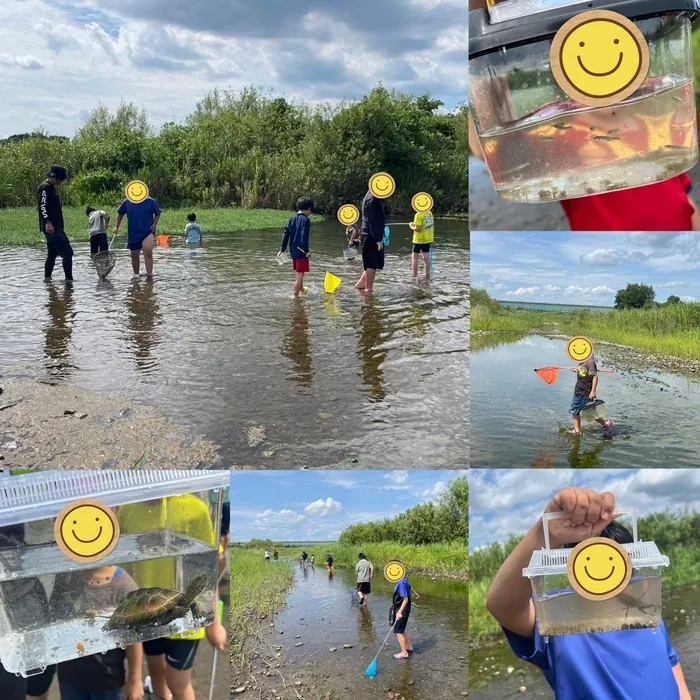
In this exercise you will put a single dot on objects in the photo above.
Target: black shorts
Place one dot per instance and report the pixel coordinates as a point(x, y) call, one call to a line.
point(421, 247)
point(58, 244)
point(372, 257)
point(400, 625)
point(364, 587)
point(98, 243)
point(40, 684)
point(179, 653)
point(14, 687)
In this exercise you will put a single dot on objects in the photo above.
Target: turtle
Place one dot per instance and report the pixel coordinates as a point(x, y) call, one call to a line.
point(154, 607)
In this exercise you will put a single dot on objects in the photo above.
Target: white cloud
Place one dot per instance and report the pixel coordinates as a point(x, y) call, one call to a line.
point(437, 490)
point(270, 518)
point(322, 508)
point(398, 481)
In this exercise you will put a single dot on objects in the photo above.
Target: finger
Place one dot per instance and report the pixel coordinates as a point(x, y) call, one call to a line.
point(607, 505)
point(564, 501)
point(595, 505)
point(578, 516)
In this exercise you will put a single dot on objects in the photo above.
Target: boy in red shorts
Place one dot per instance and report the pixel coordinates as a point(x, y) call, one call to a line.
point(296, 236)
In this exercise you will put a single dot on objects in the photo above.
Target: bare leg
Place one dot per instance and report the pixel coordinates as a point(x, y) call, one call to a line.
point(402, 643)
point(299, 284)
point(362, 282)
point(409, 643)
point(426, 261)
point(577, 423)
point(147, 247)
point(371, 274)
point(414, 264)
point(180, 682)
point(136, 261)
point(156, 670)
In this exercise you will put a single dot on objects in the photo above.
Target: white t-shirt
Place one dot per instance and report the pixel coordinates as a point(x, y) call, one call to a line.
point(97, 223)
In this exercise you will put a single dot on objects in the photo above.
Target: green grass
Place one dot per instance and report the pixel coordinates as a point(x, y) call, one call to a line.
point(21, 226)
point(664, 330)
point(258, 590)
point(441, 560)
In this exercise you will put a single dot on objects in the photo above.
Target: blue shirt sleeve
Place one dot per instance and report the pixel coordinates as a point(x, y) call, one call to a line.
point(156, 208)
point(533, 650)
point(672, 656)
point(123, 208)
point(305, 231)
point(403, 588)
point(285, 238)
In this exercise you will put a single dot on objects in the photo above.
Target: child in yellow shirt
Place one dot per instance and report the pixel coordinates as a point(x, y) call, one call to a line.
point(423, 227)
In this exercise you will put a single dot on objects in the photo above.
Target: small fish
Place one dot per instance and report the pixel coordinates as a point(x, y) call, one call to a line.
point(606, 138)
point(612, 132)
point(562, 127)
point(678, 99)
point(674, 147)
point(545, 138)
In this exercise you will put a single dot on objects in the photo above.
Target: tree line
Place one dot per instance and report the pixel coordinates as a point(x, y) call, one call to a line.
point(253, 150)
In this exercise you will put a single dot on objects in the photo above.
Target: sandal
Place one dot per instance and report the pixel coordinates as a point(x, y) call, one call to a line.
point(401, 656)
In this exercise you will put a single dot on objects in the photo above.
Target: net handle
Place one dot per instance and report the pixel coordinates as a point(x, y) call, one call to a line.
point(546, 517)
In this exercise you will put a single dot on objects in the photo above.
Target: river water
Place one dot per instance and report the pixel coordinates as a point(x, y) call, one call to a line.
point(489, 678)
point(323, 613)
point(216, 342)
point(519, 421)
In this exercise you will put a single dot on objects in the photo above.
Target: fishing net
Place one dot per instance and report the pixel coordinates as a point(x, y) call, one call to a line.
point(548, 374)
point(104, 261)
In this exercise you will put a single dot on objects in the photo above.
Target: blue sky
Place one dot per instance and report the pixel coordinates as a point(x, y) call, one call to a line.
point(510, 501)
point(584, 268)
point(319, 505)
point(59, 60)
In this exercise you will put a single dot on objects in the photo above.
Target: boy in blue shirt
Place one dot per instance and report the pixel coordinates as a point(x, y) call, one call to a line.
point(401, 602)
point(193, 231)
point(624, 665)
point(296, 236)
point(143, 223)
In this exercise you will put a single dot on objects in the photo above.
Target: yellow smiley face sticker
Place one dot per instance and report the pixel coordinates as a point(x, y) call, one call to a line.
point(136, 191)
point(422, 202)
point(86, 531)
point(382, 185)
point(599, 568)
point(348, 214)
point(579, 349)
point(599, 58)
point(394, 571)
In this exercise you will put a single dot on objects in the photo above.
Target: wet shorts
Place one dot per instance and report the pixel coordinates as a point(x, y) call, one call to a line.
point(301, 264)
point(577, 404)
point(421, 247)
point(372, 257)
point(364, 587)
point(40, 684)
point(400, 625)
point(179, 653)
point(98, 243)
point(135, 240)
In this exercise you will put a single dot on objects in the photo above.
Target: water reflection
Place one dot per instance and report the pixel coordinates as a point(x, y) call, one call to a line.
point(371, 354)
point(143, 319)
point(296, 345)
point(59, 331)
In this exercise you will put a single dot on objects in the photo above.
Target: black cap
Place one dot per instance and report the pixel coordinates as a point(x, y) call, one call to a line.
point(59, 172)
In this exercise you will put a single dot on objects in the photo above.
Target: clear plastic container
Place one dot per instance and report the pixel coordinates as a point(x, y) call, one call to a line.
point(561, 610)
point(284, 258)
point(540, 145)
point(350, 253)
point(54, 609)
point(594, 411)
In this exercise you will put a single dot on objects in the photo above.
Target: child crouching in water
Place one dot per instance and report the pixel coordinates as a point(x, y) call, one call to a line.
point(193, 231)
point(296, 237)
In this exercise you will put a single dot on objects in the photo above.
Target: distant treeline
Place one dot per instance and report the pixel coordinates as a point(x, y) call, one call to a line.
point(429, 523)
point(253, 150)
point(677, 535)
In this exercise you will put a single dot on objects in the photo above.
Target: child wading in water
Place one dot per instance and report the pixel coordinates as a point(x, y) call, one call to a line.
point(423, 227)
point(193, 231)
point(584, 392)
point(296, 237)
point(401, 602)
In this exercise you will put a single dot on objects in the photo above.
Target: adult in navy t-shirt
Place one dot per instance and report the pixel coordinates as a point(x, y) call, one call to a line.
point(625, 665)
point(143, 223)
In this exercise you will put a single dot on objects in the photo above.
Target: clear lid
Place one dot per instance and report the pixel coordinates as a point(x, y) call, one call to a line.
point(549, 562)
point(29, 497)
point(514, 9)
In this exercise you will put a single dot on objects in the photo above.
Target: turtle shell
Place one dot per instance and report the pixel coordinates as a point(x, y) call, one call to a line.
point(143, 605)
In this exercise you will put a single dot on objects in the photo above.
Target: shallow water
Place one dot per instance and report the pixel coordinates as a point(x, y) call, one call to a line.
point(218, 343)
point(489, 678)
point(519, 421)
point(325, 613)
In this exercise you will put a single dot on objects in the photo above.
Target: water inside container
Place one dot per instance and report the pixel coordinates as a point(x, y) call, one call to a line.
point(52, 612)
point(564, 151)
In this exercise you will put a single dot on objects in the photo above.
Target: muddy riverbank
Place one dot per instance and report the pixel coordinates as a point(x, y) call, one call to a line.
point(320, 644)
